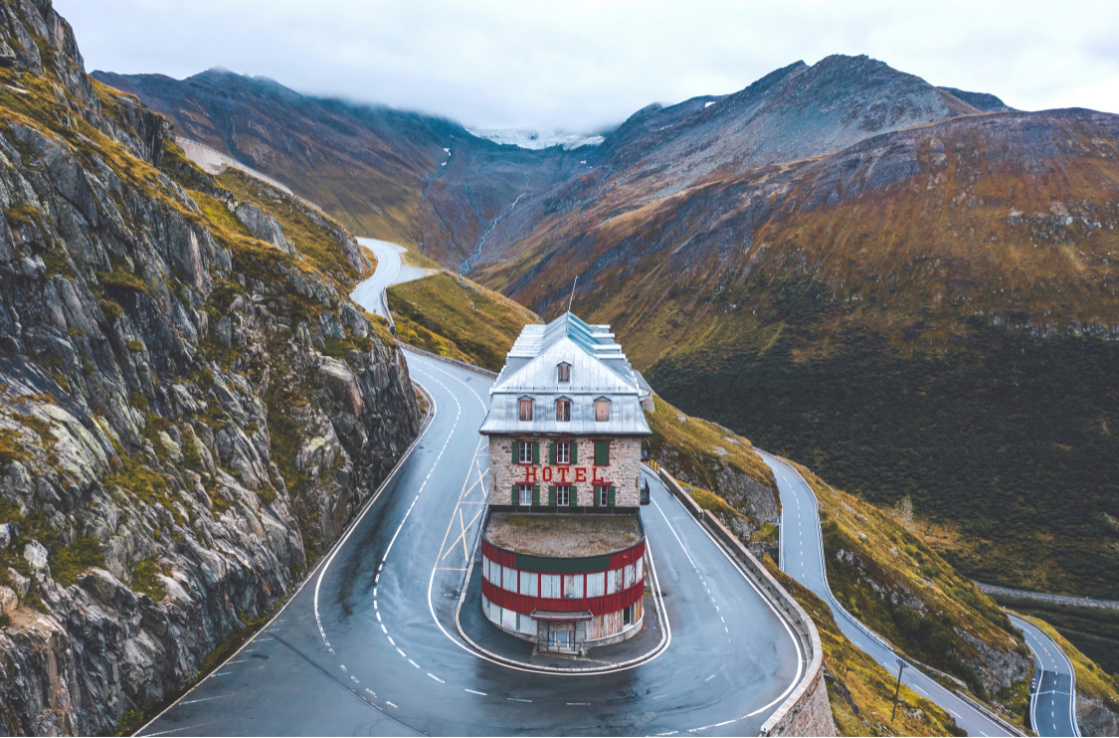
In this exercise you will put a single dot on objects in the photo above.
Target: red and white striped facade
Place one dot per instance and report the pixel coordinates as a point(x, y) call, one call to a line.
point(598, 599)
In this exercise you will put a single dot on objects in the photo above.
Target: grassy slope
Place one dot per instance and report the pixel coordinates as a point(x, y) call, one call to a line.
point(917, 600)
point(452, 316)
point(918, 339)
point(860, 691)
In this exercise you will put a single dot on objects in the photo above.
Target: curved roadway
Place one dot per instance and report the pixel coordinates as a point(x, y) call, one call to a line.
point(1052, 708)
point(365, 646)
point(802, 557)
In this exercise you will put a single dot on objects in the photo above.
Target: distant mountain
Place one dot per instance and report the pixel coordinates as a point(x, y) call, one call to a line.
point(910, 287)
point(982, 101)
point(397, 175)
point(912, 294)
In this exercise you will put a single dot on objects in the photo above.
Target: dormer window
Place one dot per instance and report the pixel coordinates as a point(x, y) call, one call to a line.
point(526, 408)
point(602, 409)
point(563, 372)
point(563, 410)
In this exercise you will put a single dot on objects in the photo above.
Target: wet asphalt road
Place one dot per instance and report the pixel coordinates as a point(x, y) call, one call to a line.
point(1052, 707)
point(368, 646)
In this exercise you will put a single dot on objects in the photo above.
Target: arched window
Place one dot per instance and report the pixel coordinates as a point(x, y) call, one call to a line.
point(526, 408)
point(563, 410)
point(563, 372)
point(602, 409)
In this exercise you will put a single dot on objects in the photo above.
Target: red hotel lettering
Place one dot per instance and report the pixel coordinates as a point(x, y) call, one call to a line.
point(597, 478)
point(563, 474)
point(547, 474)
point(530, 473)
point(580, 474)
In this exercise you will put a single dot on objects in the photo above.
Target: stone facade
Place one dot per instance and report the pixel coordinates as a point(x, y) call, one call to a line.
point(623, 470)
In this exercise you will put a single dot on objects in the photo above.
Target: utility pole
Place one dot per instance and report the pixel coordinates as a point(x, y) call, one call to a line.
point(897, 690)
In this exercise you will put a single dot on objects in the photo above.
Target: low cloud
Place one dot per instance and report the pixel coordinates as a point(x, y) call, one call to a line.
point(581, 66)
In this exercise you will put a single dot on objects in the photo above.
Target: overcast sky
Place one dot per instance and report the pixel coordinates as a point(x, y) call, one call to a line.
point(578, 66)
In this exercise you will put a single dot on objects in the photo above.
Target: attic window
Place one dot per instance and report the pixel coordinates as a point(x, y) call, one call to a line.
point(602, 409)
point(526, 408)
point(563, 372)
point(563, 410)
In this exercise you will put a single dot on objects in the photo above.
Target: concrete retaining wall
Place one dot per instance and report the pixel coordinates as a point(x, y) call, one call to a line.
point(806, 710)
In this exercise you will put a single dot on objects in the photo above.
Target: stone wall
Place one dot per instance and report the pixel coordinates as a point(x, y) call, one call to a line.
point(623, 471)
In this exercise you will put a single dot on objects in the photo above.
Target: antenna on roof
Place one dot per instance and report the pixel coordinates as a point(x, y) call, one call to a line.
point(572, 299)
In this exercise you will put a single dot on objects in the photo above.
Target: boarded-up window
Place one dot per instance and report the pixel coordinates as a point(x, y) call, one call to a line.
point(508, 619)
point(563, 372)
point(550, 585)
point(509, 579)
point(640, 570)
point(615, 579)
point(526, 408)
point(602, 409)
point(596, 584)
point(563, 410)
point(573, 586)
point(630, 579)
point(486, 569)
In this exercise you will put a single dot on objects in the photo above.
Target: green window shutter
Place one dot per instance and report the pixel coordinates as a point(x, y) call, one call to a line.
point(535, 452)
point(552, 453)
point(595, 495)
point(536, 495)
point(611, 495)
point(551, 495)
point(601, 453)
point(574, 453)
point(516, 452)
point(516, 497)
point(574, 496)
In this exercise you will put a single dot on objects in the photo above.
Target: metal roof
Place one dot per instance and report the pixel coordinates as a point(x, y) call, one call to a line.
point(599, 369)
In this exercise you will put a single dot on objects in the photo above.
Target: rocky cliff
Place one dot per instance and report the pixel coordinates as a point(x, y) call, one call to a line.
point(189, 414)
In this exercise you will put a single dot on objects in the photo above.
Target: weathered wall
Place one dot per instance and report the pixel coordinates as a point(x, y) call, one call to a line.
point(623, 471)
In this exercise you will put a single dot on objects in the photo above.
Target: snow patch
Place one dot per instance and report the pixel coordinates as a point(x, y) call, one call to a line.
point(708, 104)
point(529, 139)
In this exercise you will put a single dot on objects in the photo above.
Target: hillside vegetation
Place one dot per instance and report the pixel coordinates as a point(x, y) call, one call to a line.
point(895, 584)
point(451, 316)
point(860, 691)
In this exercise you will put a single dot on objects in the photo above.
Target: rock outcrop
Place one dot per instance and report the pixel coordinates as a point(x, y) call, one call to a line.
point(1094, 718)
point(188, 416)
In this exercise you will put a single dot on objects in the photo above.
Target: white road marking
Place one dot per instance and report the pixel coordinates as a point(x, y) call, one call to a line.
point(384, 629)
point(436, 678)
point(175, 730)
point(204, 699)
point(390, 704)
point(354, 678)
point(473, 691)
point(709, 678)
point(343, 667)
point(391, 641)
point(402, 654)
point(517, 699)
point(413, 663)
